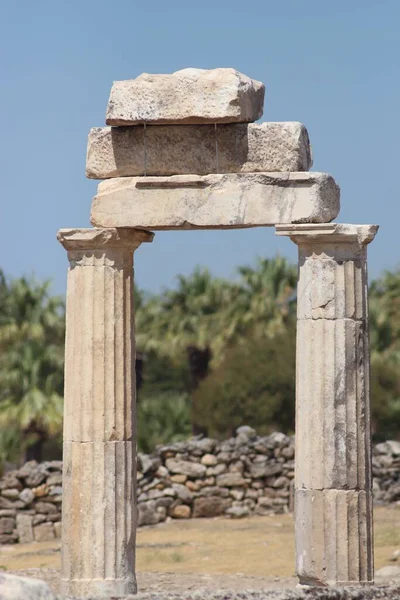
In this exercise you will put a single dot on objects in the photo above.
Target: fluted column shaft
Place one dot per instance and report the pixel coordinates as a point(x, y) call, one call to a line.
point(99, 500)
point(333, 506)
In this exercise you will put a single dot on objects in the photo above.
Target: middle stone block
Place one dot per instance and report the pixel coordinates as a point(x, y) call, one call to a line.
point(164, 150)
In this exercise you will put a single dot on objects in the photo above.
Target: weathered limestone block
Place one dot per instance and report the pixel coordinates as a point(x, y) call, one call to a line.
point(333, 475)
point(24, 528)
point(7, 525)
point(26, 588)
point(44, 532)
point(99, 504)
point(215, 201)
point(181, 511)
point(27, 496)
point(194, 96)
point(210, 506)
point(9, 481)
point(11, 494)
point(332, 398)
point(184, 467)
point(99, 511)
point(197, 149)
point(98, 363)
point(334, 538)
point(148, 514)
point(230, 480)
point(57, 529)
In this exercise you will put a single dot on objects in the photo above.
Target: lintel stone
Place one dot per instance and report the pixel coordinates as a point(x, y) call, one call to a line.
point(198, 149)
point(187, 96)
point(223, 201)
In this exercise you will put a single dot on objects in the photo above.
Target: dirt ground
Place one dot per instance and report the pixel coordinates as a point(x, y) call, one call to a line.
point(251, 553)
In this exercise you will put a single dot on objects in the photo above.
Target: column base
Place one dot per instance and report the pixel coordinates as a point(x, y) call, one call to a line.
point(334, 543)
point(306, 586)
point(98, 588)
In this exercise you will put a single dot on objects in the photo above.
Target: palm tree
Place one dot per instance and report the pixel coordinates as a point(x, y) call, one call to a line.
point(188, 320)
point(206, 315)
point(265, 299)
point(31, 362)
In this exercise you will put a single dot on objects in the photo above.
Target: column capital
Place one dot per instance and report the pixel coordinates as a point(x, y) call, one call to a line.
point(97, 238)
point(328, 233)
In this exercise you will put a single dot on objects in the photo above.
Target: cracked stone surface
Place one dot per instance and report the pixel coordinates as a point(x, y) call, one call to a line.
point(195, 96)
point(215, 201)
point(198, 149)
point(333, 474)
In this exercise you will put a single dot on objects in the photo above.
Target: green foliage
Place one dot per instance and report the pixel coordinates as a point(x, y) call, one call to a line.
point(190, 315)
point(162, 374)
point(161, 419)
point(385, 398)
point(255, 385)
point(31, 364)
point(384, 310)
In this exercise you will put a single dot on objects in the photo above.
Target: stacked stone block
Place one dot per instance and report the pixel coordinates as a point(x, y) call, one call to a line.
point(210, 166)
point(30, 503)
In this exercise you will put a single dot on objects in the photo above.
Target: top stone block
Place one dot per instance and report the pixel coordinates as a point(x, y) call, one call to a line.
point(190, 96)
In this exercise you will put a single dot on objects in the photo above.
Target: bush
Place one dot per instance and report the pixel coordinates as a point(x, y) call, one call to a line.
point(162, 419)
point(255, 385)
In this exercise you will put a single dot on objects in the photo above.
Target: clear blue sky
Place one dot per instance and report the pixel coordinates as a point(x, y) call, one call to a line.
point(332, 65)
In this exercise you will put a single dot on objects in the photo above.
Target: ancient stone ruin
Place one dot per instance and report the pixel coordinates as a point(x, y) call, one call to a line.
point(184, 152)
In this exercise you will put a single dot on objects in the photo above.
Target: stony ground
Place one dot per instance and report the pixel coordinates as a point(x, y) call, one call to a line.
point(253, 553)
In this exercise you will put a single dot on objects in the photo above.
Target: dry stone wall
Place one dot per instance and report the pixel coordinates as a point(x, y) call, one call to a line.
point(241, 476)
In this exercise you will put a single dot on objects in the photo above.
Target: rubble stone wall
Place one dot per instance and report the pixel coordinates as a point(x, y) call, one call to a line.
point(241, 476)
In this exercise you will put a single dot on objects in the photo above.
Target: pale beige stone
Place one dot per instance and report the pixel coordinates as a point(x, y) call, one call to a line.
point(99, 511)
point(44, 532)
point(332, 383)
point(57, 529)
point(181, 511)
point(24, 528)
point(99, 239)
point(215, 201)
point(230, 480)
point(333, 444)
point(187, 96)
point(178, 478)
point(99, 519)
point(13, 587)
point(197, 149)
point(209, 460)
point(334, 540)
point(98, 377)
point(332, 400)
point(185, 467)
point(333, 269)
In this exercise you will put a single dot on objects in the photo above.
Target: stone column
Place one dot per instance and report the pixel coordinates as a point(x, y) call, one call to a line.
point(99, 503)
point(333, 497)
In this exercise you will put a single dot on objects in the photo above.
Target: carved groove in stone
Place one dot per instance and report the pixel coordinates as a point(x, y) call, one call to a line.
point(99, 517)
point(331, 289)
point(334, 539)
point(332, 429)
point(99, 377)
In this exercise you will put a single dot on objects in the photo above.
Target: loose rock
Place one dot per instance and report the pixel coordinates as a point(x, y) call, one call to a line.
point(186, 96)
